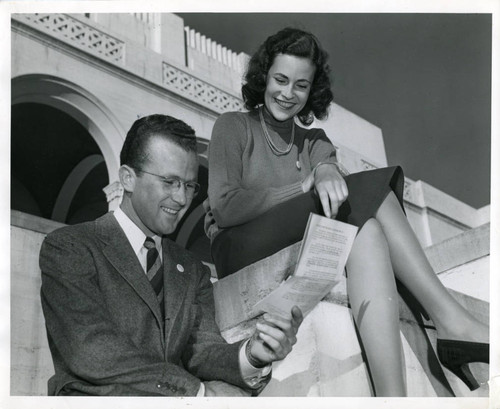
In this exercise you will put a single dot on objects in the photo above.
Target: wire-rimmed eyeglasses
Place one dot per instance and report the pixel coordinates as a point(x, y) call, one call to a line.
point(174, 184)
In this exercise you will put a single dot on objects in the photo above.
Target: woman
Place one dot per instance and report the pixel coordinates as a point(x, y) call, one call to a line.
point(267, 174)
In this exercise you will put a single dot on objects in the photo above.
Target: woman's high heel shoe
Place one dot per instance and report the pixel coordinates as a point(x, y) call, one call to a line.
point(456, 355)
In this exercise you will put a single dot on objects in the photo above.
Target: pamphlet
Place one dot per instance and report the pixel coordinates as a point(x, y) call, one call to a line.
point(321, 261)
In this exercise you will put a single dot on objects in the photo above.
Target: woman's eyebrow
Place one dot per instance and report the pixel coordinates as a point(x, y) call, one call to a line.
point(285, 76)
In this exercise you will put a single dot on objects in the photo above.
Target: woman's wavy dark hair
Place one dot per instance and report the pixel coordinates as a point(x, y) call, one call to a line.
point(299, 43)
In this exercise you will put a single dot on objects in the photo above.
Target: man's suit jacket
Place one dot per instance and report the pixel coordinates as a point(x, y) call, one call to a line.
point(104, 324)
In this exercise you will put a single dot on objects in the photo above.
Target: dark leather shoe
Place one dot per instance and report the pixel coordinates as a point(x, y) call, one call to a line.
point(456, 356)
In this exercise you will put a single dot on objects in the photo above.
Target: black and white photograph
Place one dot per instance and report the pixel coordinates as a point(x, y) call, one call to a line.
point(250, 202)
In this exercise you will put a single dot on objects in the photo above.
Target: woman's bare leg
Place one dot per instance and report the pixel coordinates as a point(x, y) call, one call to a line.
point(412, 268)
point(374, 303)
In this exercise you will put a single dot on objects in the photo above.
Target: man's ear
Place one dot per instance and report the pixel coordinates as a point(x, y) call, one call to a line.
point(127, 178)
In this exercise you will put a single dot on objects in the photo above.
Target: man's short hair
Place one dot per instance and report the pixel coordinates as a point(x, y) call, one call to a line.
point(134, 152)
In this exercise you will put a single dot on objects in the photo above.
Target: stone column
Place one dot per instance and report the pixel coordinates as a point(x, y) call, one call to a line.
point(114, 194)
point(172, 38)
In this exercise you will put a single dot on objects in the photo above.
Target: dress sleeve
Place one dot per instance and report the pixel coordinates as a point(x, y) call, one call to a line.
point(231, 203)
point(321, 149)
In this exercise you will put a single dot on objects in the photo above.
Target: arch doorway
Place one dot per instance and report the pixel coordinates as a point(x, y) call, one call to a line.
point(57, 168)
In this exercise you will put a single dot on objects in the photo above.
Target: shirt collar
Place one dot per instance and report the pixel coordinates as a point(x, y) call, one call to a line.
point(135, 235)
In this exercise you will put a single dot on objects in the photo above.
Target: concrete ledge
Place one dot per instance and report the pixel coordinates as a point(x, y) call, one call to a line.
point(472, 279)
point(35, 223)
point(236, 294)
point(349, 131)
point(463, 248)
point(328, 359)
point(424, 195)
point(30, 360)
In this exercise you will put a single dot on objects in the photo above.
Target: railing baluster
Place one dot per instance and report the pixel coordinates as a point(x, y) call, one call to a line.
point(77, 33)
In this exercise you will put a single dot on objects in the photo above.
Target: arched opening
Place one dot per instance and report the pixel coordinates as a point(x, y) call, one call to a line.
point(57, 168)
point(79, 104)
point(65, 148)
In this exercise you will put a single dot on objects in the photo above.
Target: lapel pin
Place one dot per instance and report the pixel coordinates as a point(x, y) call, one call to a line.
point(180, 268)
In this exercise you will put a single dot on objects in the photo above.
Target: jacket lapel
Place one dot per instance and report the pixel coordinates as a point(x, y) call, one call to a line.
point(176, 281)
point(120, 254)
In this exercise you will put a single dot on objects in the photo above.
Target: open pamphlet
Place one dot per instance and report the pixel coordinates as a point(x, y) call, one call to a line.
point(320, 266)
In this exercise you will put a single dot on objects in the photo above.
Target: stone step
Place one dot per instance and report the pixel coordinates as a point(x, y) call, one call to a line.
point(327, 359)
point(463, 248)
point(462, 262)
point(460, 259)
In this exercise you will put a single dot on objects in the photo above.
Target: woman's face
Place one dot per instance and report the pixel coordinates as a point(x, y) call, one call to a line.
point(288, 84)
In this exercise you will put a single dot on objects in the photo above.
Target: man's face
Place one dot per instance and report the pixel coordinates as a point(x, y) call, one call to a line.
point(155, 207)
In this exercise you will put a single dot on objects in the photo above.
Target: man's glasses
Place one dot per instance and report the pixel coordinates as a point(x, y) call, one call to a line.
point(173, 185)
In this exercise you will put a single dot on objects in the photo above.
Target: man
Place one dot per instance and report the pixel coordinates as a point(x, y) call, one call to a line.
point(127, 311)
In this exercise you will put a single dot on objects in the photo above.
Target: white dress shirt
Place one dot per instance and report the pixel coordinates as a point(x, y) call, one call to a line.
point(136, 237)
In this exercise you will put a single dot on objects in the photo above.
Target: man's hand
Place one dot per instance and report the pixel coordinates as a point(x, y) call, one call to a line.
point(330, 187)
point(219, 388)
point(274, 338)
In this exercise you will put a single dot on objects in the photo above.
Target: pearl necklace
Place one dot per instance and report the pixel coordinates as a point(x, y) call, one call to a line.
point(271, 144)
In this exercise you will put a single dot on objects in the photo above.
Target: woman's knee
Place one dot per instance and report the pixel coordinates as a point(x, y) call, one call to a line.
point(372, 232)
point(389, 208)
point(370, 257)
point(370, 246)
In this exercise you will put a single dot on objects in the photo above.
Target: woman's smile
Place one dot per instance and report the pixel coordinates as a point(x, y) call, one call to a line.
point(288, 85)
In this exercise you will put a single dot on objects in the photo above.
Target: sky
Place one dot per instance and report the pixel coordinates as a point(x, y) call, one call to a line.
point(424, 79)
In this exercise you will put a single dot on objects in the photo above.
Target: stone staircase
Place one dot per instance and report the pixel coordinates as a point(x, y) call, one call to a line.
point(327, 359)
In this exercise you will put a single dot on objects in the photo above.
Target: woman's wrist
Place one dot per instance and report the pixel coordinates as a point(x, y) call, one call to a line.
point(338, 167)
point(309, 182)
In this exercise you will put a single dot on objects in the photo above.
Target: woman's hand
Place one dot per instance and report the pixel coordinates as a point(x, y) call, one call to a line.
point(330, 187)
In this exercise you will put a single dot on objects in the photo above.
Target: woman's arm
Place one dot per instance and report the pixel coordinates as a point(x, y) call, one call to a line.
point(326, 177)
point(231, 203)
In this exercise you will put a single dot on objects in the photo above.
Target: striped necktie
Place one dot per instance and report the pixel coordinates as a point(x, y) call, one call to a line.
point(155, 271)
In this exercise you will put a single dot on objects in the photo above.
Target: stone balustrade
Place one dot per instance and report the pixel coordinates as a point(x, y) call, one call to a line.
point(77, 33)
point(212, 49)
point(166, 60)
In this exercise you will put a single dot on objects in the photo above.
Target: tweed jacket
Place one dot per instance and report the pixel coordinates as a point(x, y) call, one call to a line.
point(104, 325)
